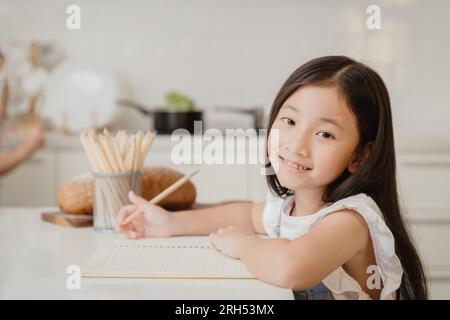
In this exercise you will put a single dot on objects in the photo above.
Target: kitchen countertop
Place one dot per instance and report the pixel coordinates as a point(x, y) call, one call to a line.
point(34, 256)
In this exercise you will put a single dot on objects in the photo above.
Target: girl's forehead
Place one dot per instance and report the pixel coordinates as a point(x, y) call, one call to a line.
point(319, 101)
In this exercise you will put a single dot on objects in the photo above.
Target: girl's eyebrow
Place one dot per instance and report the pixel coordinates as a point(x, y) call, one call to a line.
point(291, 107)
point(327, 120)
point(331, 121)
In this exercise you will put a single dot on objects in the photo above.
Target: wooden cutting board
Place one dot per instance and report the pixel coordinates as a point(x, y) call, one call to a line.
point(68, 220)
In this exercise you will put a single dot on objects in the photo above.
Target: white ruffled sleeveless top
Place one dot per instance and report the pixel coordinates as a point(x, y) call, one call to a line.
point(278, 223)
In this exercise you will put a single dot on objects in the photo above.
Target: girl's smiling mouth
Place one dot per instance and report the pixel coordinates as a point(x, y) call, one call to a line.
point(294, 166)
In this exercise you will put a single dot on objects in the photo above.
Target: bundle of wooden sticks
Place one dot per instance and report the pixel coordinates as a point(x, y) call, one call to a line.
point(119, 154)
point(116, 162)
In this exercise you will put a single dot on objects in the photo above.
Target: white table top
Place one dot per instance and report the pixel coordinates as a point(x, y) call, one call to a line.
point(34, 256)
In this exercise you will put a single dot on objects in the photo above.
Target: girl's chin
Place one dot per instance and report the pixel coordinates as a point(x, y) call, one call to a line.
point(291, 182)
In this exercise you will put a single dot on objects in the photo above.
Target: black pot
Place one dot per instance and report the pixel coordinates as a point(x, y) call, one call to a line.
point(164, 121)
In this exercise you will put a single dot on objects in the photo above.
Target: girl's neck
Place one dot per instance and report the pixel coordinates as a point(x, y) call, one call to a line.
point(307, 201)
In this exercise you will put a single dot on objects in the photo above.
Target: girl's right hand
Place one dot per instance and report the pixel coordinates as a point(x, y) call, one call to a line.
point(154, 221)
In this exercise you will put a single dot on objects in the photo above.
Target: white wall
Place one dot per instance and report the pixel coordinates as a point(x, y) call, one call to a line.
point(239, 52)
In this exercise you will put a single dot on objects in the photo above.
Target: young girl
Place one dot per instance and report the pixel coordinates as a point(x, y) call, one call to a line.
point(332, 214)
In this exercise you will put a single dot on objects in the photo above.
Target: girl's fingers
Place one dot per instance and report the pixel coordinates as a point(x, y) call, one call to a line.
point(138, 227)
point(130, 231)
point(125, 229)
point(212, 240)
point(133, 230)
point(124, 212)
point(132, 234)
point(140, 202)
point(120, 228)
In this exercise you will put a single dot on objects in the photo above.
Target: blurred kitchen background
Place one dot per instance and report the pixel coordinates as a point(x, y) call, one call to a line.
point(233, 54)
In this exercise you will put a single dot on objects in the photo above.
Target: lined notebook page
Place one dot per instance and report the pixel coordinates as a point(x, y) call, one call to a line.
point(175, 257)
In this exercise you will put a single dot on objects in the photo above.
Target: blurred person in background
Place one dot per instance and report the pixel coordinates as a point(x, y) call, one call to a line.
point(33, 141)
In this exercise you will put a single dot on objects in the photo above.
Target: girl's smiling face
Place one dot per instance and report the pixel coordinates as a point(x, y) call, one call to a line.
point(317, 138)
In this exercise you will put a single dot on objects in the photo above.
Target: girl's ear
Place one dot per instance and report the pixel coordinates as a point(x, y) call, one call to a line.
point(359, 157)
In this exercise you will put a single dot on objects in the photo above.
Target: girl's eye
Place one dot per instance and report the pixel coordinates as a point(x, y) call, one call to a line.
point(325, 134)
point(288, 121)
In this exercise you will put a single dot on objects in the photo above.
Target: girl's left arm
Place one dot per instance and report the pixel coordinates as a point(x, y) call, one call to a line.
point(300, 263)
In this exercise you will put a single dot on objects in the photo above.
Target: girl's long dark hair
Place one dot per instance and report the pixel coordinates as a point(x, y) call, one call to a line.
point(367, 96)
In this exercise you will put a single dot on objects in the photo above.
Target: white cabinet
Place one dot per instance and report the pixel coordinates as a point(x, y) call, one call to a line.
point(36, 182)
point(424, 189)
point(31, 184)
point(69, 164)
point(425, 183)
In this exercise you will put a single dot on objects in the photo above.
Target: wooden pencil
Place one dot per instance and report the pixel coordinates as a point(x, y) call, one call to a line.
point(161, 195)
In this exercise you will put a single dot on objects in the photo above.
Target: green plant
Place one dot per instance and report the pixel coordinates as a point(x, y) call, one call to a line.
point(176, 101)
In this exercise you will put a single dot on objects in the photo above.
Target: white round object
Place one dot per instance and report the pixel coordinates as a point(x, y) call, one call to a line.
point(77, 98)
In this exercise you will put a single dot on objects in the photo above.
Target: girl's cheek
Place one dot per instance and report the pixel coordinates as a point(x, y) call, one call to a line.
point(273, 143)
point(332, 163)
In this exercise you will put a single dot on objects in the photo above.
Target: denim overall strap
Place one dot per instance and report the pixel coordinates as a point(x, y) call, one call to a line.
point(318, 292)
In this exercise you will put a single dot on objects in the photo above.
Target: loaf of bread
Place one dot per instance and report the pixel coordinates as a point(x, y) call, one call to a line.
point(76, 196)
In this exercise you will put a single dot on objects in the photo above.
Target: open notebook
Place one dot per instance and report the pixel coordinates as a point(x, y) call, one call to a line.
point(176, 257)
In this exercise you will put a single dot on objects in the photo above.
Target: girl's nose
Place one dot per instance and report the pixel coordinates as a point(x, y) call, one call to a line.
point(301, 152)
point(298, 146)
